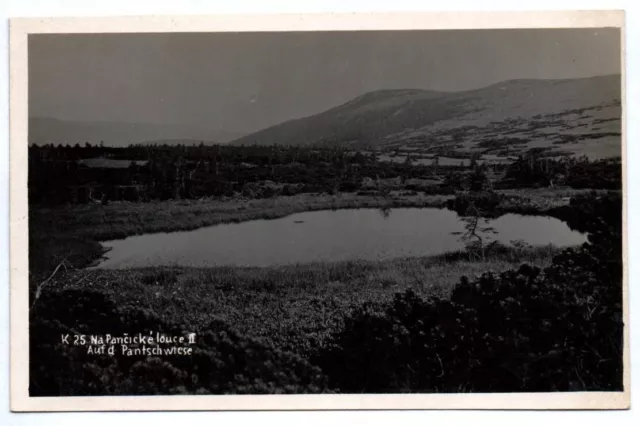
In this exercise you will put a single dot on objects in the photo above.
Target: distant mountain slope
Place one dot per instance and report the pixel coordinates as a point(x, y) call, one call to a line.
point(43, 130)
point(365, 119)
point(427, 118)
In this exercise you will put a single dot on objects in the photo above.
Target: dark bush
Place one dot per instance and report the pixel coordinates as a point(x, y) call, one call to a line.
point(524, 330)
point(369, 192)
point(289, 190)
point(536, 170)
point(223, 361)
point(477, 180)
point(349, 186)
point(483, 203)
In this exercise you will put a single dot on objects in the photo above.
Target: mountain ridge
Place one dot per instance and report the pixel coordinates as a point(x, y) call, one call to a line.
point(386, 116)
point(43, 130)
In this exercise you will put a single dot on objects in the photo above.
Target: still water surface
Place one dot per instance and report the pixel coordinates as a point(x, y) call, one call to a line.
point(326, 235)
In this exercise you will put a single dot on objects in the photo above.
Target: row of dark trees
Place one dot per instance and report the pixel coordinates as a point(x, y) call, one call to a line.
point(181, 171)
point(254, 154)
point(537, 170)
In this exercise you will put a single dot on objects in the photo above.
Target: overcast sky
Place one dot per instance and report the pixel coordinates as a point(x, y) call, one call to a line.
point(246, 81)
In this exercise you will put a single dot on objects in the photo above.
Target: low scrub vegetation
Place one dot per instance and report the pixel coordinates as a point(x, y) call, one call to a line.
point(527, 329)
point(293, 307)
point(222, 361)
point(534, 327)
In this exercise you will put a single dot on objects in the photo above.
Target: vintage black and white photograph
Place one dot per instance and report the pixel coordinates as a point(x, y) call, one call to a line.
point(426, 211)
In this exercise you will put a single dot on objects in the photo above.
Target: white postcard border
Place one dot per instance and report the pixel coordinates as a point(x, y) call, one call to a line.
point(20, 29)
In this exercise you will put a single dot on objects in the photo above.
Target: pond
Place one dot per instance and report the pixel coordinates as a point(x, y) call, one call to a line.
point(370, 234)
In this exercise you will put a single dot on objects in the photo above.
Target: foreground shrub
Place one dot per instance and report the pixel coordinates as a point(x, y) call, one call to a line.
point(222, 361)
point(527, 330)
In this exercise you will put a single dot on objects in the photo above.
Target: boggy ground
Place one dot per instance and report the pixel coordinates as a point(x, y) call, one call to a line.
point(316, 316)
point(74, 232)
point(294, 308)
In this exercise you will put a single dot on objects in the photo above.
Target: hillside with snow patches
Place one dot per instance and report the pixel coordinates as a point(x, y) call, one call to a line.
point(573, 116)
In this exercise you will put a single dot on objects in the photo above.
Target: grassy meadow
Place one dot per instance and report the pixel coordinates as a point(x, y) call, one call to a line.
point(284, 305)
point(73, 232)
point(293, 307)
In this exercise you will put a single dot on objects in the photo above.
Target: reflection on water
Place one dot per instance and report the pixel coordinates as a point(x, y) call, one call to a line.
point(373, 234)
point(385, 212)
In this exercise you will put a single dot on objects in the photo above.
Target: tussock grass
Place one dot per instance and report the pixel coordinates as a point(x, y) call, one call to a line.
point(122, 219)
point(293, 307)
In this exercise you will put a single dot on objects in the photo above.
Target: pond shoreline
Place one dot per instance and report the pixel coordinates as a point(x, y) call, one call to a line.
point(270, 302)
point(75, 232)
point(375, 234)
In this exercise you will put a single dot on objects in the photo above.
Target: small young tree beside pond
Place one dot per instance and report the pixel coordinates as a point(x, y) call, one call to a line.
point(477, 236)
